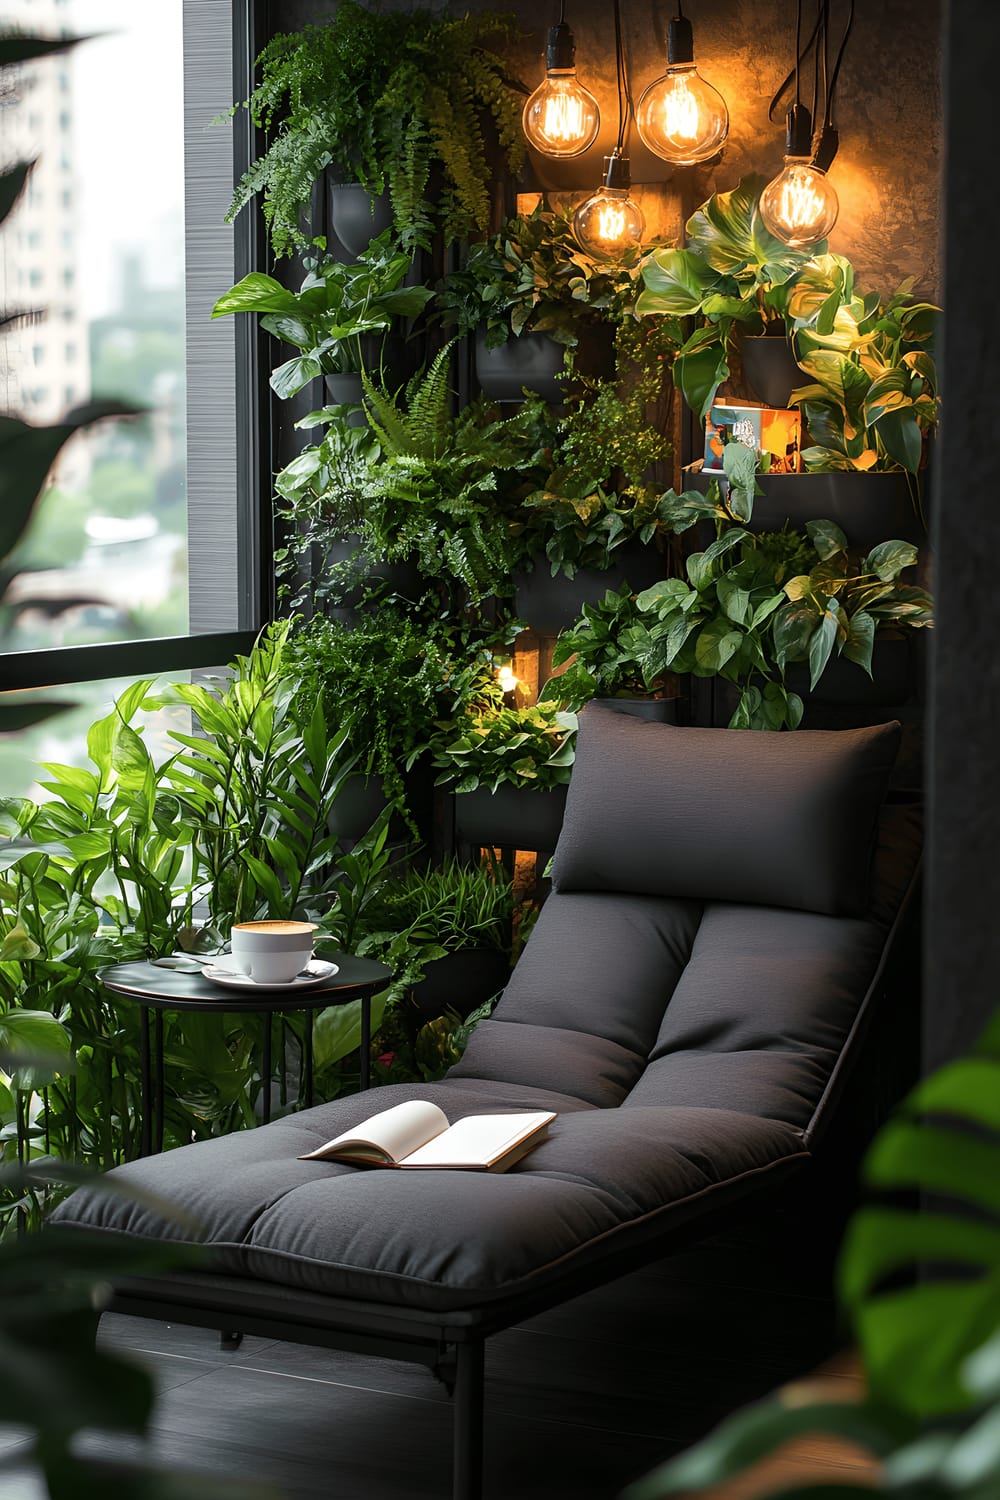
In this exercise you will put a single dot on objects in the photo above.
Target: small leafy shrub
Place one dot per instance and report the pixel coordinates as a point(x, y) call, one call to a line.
point(527, 747)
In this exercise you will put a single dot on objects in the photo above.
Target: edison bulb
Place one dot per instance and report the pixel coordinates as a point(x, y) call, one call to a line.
point(800, 205)
point(561, 118)
point(608, 223)
point(506, 679)
point(682, 118)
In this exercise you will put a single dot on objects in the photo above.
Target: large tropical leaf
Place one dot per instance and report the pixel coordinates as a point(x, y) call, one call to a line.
point(729, 232)
point(922, 1280)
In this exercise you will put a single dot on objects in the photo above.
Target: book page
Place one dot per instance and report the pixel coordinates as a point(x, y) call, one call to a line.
point(387, 1136)
point(478, 1140)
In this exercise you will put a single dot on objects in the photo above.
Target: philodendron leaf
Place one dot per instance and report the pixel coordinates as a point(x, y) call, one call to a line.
point(17, 946)
point(923, 1284)
point(823, 641)
point(699, 374)
point(860, 640)
point(827, 538)
point(888, 559)
point(675, 282)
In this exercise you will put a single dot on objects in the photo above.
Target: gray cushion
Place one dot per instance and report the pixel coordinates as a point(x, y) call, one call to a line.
point(724, 814)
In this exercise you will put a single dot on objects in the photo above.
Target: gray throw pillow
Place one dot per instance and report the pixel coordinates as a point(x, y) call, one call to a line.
point(777, 819)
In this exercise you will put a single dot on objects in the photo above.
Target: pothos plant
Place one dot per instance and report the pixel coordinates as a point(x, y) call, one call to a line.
point(753, 603)
point(601, 652)
point(388, 97)
point(919, 1280)
point(497, 745)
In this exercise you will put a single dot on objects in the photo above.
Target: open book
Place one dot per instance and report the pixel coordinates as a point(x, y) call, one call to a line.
point(417, 1134)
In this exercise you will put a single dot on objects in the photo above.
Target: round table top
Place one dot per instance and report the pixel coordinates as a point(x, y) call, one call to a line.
point(173, 989)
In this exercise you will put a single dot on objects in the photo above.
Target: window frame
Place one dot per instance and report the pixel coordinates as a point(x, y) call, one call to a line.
point(23, 670)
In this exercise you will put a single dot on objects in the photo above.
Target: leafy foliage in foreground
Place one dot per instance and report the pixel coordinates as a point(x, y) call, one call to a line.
point(921, 1283)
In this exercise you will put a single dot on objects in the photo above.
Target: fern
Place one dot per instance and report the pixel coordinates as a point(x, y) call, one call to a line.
point(389, 97)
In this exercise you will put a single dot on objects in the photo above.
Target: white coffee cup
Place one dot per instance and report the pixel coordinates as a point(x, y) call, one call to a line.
point(272, 951)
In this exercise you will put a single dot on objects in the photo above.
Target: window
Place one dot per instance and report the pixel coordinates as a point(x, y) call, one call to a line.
point(142, 519)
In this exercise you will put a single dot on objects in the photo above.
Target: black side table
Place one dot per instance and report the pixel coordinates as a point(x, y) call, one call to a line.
point(155, 989)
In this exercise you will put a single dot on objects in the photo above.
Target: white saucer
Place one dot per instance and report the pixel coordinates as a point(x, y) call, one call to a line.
point(317, 971)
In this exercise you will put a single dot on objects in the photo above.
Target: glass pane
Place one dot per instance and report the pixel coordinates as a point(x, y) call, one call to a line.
point(95, 248)
point(63, 738)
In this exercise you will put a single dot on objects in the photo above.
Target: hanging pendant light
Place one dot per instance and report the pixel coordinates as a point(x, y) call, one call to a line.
point(561, 118)
point(681, 117)
point(610, 222)
point(800, 205)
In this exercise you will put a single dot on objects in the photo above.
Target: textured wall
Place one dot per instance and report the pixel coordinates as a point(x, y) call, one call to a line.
point(889, 109)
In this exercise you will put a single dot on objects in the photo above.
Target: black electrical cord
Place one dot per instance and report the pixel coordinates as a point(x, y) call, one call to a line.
point(798, 47)
point(562, 12)
point(790, 76)
point(828, 118)
point(818, 57)
point(625, 107)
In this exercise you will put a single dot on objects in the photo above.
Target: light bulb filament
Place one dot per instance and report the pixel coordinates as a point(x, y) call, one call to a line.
point(506, 679)
point(681, 119)
point(563, 118)
point(800, 204)
point(611, 222)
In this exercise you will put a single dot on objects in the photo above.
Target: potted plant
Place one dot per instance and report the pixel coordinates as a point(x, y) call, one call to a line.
point(390, 99)
point(446, 933)
point(508, 769)
point(384, 684)
point(594, 523)
point(753, 603)
point(529, 293)
point(600, 656)
point(732, 274)
point(446, 489)
point(334, 317)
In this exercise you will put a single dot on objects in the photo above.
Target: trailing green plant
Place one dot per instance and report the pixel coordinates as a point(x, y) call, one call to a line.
point(598, 492)
point(752, 603)
point(496, 745)
point(387, 97)
point(532, 277)
point(446, 488)
point(919, 1279)
point(336, 307)
point(604, 651)
point(874, 400)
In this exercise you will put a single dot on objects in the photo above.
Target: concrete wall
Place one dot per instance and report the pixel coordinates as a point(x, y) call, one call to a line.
point(887, 173)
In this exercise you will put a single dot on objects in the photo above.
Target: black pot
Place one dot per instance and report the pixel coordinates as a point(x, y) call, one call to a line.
point(512, 817)
point(770, 370)
point(356, 806)
point(845, 683)
point(401, 578)
point(460, 982)
point(548, 604)
point(531, 361)
point(347, 390)
point(868, 508)
point(654, 710)
point(355, 216)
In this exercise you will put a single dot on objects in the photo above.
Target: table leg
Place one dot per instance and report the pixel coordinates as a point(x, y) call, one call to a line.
point(307, 1061)
point(265, 1069)
point(366, 1039)
point(158, 1076)
point(146, 1102)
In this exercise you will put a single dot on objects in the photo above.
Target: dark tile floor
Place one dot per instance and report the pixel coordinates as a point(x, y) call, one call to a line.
point(579, 1401)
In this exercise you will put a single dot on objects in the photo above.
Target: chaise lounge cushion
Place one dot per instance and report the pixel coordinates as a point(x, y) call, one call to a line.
point(727, 814)
point(688, 1046)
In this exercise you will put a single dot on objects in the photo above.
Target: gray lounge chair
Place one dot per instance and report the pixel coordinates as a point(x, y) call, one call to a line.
point(724, 906)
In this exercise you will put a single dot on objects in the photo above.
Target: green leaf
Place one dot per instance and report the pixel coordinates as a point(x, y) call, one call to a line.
point(290, 377)
point(675, 283)
point(256, 293)
point(699, 375)
point(888, 559)
point(823, 640)
point(902, 437)
point(337, 1031)
point(827, 537)
point(716, 644)
point(860, 640)
point(18, 946)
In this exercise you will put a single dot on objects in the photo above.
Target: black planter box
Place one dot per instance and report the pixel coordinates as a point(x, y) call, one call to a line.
point(548, 604)
point(512, 817)
point(460, 982)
